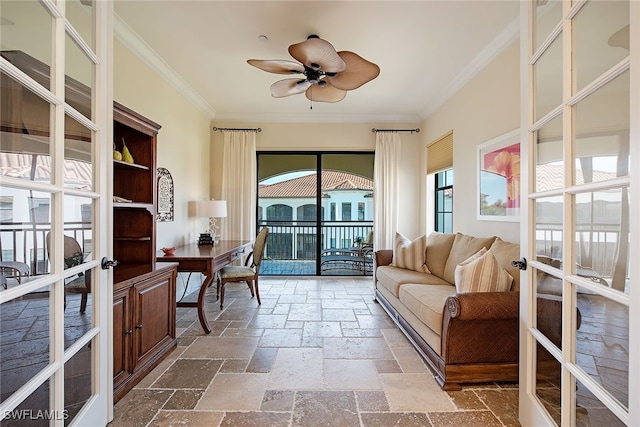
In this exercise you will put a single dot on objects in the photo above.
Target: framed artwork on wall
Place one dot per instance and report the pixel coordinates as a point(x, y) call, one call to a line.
point(165, 195)
point(499, 178)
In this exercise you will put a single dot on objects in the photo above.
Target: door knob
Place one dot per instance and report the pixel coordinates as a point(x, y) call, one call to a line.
point(522, 264)
point(108, 263)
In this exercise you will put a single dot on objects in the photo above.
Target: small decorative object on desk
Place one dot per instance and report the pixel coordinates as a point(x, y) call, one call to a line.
point(205, 239)
point(169, 251)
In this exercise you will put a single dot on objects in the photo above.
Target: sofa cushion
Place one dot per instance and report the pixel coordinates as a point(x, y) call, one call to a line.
point(427, 303)
point(391, 278)
point(482, 273)
point(410, 254)
point(463, 247)
point(438, 248)
point(505, 252)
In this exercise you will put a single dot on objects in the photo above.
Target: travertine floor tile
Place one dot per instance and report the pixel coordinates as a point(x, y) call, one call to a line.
point(222, 348)
point(503, 403)
point(350, 375)
point(414, 393)
point(189, 373)
point(372, 401)
point(183, 399)
point(297, 369)
point(325, 408)
point(277, 400)
point(255, 419)
point(467, 419)
point(322, 329)
point(234, 392)
point(137, 407)
point(187, 418)
point(356, 348)
point(262, 360)
point(407, 419)
point(281, 338)
point(409, 360)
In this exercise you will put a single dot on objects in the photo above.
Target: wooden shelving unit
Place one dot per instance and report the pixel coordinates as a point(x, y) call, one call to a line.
point(144, 308)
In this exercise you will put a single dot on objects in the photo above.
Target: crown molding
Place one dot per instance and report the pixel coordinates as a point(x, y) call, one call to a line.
point(311, 118)
point(127, 36)
point(484, 58)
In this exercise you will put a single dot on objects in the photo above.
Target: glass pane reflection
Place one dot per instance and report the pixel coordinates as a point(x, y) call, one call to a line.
point(78, 170)
point(549, 235)
point(77, 382)
point(24, 345)
point(548, 371)
point(549, 156)
point(78, 78)
point(602, 237)
point(600, 39)
point(547, 16)
point(602, 133)
point(26, 33)
point(591, 412)
point(548, 79)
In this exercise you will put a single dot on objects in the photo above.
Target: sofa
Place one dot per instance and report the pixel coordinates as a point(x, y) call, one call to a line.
point(465, 337)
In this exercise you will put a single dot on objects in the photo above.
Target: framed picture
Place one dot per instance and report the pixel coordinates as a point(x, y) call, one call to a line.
point(165, 195)
point(499, 178)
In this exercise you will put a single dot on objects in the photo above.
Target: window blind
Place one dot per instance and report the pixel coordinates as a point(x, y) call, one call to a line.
point(440, 154)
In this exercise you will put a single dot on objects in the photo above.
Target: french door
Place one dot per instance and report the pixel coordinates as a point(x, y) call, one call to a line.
point(319, 209)
point(55, 148)
point(580, 231)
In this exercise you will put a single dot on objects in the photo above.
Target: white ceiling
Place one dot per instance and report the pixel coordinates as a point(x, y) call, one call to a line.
point(426, 51)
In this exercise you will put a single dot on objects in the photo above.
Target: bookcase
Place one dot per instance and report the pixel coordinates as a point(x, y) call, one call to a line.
point(144, 304)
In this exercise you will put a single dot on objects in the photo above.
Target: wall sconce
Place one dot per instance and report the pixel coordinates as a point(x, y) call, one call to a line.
point(211, 209)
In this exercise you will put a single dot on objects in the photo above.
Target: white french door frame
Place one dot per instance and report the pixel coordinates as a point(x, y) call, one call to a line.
point(531, 410)
point(98, 409)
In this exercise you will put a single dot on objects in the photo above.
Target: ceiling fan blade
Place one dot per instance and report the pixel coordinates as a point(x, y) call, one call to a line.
point(277, 66)
point(316, 53)
point(620, 38)
point(326, 93)
point(358, 72)
point(288, 87)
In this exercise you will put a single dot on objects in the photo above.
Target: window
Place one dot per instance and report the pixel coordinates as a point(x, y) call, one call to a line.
point(444, 201)
point(333, 209)
point(360, 211)
point(346, 211)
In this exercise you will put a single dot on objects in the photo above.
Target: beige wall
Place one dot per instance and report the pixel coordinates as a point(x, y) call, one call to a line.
point(336, 137)
point(485, 108)
point(183, 141)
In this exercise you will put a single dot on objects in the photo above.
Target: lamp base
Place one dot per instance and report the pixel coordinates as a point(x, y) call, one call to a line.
point(205, 239)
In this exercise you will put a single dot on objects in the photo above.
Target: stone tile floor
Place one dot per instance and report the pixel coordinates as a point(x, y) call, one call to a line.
point(318, 352)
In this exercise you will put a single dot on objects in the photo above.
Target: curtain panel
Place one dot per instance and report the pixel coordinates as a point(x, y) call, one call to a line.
point(385, 189)
point(239, 178)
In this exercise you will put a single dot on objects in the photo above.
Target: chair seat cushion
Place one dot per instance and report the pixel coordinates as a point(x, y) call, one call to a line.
point(234, 271)
point(77, 283)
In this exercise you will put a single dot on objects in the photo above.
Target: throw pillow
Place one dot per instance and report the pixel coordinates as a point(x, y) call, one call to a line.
point(482, 273)
point(410, 254)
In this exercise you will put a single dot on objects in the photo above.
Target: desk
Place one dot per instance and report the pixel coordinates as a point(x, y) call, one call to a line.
point(207, 260)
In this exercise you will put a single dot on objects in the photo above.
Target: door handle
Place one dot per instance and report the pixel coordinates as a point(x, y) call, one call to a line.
point(108, 263)
point(522, 264)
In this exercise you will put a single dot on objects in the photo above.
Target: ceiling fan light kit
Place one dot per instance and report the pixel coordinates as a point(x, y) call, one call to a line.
point(328, 74)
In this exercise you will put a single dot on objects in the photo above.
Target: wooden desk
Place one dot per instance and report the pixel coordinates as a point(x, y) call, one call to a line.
point(206, 260)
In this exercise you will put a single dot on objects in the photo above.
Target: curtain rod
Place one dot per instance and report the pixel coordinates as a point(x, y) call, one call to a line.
point(238, 129)
point(416, 130)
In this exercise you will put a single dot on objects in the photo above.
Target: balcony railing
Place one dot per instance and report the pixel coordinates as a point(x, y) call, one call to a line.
point(26, 242)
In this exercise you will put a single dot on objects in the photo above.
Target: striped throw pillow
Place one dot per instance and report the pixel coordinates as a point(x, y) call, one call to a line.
point(410, 254)
point(482, 273)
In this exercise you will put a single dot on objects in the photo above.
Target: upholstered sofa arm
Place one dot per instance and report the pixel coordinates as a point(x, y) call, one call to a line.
point(383, 257)
point(481, 327)
point(484, 305)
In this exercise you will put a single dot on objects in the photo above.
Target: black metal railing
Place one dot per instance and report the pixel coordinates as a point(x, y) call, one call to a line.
point(26, 242)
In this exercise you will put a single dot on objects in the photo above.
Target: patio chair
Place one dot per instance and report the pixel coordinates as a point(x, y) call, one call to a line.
point(81, 284)
point(247, 273)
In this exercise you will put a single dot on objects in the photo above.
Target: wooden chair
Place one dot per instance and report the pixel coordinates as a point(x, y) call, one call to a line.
point(247, 273)
point(81, 284)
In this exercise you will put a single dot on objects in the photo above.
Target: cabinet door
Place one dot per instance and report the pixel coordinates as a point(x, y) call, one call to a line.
point(154, 316)
point(122, 336)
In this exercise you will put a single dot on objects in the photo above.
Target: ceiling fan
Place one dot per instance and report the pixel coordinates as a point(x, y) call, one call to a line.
point(328, 74)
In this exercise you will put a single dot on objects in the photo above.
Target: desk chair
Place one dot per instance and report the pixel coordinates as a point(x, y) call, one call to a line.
point(247, 273)
point(81, 284)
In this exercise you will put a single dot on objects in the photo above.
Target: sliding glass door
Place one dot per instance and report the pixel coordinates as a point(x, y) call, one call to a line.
point(319, 209)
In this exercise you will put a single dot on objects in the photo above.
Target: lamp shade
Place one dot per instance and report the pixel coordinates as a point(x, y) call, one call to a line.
point(211, 208)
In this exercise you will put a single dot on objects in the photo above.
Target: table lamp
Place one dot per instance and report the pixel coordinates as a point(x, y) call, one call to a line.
point(211, 209)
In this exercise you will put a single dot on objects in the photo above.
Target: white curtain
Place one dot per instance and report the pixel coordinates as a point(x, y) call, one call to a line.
point(239, 181)
point(385, 189)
